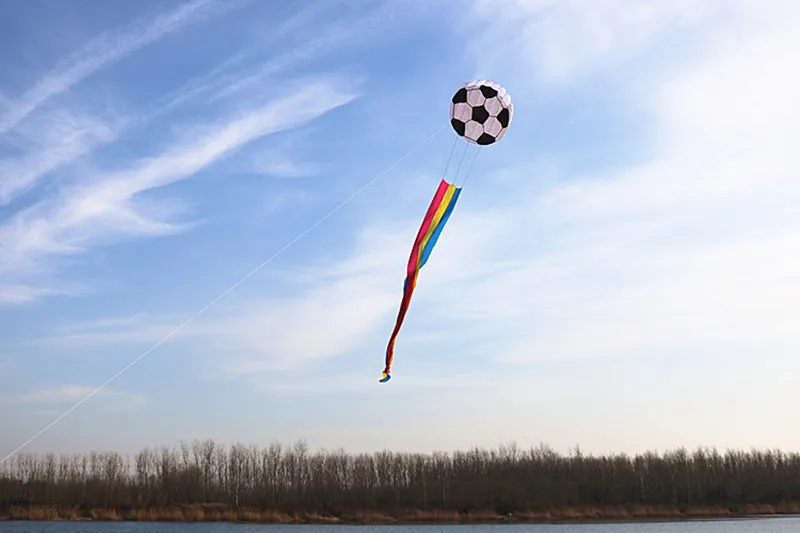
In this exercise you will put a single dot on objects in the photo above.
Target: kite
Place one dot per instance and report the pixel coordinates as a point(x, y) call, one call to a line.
point(480, 113)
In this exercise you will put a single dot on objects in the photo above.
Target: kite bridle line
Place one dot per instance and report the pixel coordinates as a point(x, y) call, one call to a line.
point(469, 170)
point(450, 157)
point(460, 162)
point(221, 296)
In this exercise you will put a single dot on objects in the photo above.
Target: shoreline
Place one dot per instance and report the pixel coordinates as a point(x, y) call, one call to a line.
point(209, 513)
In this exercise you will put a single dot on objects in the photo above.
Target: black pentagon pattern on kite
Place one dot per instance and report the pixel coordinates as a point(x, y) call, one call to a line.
point(459, 126)
point(481, 123)
point(479, 114)
point(461, 96)
point(488, 92)
point(485, 139)
point(503, 116)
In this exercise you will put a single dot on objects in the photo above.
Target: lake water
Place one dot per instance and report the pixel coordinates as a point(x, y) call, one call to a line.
point(756, 525)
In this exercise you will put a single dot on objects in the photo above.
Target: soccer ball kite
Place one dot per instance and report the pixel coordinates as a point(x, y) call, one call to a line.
point(480, 111)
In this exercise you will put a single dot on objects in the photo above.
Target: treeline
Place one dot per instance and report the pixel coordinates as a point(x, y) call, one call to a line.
point(291, 480)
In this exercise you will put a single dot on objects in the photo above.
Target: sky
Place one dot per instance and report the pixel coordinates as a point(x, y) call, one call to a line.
point(621, 273)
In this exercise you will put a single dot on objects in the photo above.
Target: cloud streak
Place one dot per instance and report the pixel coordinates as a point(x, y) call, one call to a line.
point(108, 207)
point(17, 293)
point(61, 137)
point(64, 394)
point(562, 40)
point(100, 53)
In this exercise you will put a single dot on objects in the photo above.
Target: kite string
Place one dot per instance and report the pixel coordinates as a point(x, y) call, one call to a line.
point(220, 297)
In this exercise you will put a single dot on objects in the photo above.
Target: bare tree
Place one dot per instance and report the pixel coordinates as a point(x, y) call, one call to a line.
point(505, 480)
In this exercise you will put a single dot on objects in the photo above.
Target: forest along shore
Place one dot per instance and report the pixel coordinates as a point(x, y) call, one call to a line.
point(204, 481)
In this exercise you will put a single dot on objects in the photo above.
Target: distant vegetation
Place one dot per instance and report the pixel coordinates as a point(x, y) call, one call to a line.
point(205, 481)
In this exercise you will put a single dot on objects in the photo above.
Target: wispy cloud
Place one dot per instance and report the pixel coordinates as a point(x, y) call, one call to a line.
point(322, 41)
point(293, 333)
point(68, 394)
point(309, 34)
point(691, 250)
point(276, 157)
point(100, 53)
point(91, 208)
point(107, 207)
point(124, 330)
point(564, 39)
point(16, 294)
point(57, 138)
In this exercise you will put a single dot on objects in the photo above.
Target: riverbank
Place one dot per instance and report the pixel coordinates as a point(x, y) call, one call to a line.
point(224, 513)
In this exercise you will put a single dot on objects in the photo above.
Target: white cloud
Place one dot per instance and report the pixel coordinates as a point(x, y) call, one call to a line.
point(68, 394)
point(311, 32)
point(100, 53)
point(343, 303)
point(276, 158)
point(561, 40)
point(57, 138)
point(694, 249)
point(321, 41)
point(109, 206)
point(720, 295)
point(82, 213)
point(16, 294)
point(137, 328)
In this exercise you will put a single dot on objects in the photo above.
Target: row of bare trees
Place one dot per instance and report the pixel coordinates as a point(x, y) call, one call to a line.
point(293, 479)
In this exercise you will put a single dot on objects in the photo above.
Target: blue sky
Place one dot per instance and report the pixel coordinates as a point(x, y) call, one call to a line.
point(620, 273)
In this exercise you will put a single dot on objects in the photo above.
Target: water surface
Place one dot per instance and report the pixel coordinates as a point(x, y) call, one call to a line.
point(755, 525)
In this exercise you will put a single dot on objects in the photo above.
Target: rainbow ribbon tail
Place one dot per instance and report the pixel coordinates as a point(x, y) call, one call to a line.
point(439, 211)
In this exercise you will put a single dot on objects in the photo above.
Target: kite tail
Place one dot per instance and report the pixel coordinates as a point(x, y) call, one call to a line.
point(439, 211)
